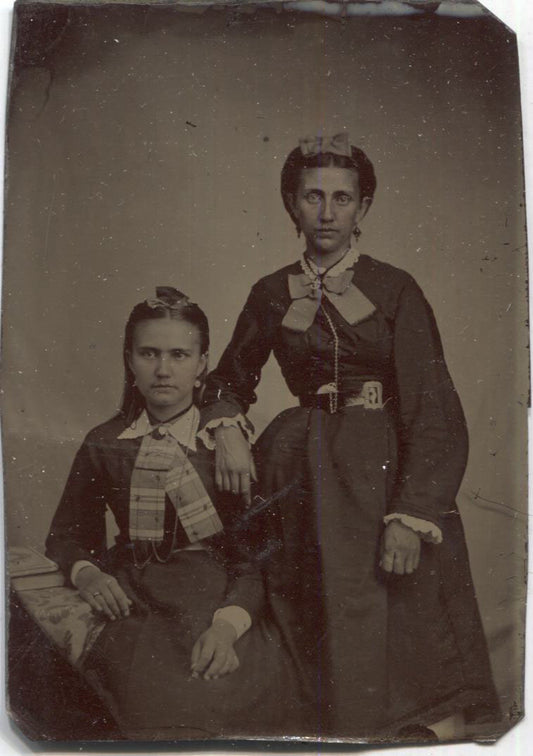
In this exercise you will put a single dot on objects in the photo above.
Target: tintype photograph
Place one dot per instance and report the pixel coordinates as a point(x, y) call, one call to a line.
point(265, 373)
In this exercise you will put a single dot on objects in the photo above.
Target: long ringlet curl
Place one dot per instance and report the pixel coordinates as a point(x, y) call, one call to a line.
point(168, 303)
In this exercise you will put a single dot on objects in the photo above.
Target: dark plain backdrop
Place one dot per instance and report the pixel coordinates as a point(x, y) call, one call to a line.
point(145, 146)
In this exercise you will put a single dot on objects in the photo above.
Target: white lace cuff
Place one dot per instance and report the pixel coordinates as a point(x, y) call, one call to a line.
point(207, 433)
point(236, 616)
point(427, 530)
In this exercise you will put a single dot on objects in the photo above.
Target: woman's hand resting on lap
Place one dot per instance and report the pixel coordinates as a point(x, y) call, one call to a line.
point(235, 467)
point(400, 549)
point(102, 592)
point(213, 654)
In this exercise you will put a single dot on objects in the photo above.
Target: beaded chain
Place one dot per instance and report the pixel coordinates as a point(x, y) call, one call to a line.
point(333, 395)
point(316, 283)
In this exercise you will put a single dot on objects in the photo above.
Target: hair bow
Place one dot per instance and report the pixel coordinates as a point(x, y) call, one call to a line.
point(177, 305)
point(339, 144)
point(168, 297)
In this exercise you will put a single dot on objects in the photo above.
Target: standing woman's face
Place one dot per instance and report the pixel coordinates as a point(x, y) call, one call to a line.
point(166, 360)
point(327, 206)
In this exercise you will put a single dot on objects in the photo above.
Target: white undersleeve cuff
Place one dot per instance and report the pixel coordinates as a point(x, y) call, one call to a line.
point(236, 616)
point(427, 530)
point(207, 433)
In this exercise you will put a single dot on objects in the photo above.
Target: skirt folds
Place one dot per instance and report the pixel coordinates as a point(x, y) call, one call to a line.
point(373, 652)
point(141, 664)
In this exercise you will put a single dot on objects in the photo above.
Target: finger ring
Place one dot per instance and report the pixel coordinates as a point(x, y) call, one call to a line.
point(97, 593)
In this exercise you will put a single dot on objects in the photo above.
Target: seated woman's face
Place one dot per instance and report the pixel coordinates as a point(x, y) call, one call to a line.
point(166, 360)
point(327, 206)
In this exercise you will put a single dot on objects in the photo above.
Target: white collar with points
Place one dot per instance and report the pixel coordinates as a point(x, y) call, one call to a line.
point(183, 429)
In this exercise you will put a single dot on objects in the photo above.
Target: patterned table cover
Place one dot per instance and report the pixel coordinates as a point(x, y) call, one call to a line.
point(67, 620)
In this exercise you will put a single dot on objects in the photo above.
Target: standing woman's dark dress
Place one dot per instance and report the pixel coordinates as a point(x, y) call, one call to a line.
point(375, 652)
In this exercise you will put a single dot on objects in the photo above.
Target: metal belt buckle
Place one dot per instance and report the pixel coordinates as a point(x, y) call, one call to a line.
point(372, 395)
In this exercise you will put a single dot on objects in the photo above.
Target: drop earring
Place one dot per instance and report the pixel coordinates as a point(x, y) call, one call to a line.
point(197, 383)
point(356, 232)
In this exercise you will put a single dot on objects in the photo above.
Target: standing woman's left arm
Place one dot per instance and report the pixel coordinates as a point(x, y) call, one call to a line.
point(433, 440)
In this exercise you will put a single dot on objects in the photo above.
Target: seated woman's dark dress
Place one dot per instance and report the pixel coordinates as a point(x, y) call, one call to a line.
point(141, 665)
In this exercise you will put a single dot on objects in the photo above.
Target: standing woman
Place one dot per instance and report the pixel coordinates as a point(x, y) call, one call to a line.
point(368, 570)
point(187, 652)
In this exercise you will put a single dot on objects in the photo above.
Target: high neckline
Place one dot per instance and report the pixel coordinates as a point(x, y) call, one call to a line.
point(156, 421)
point(349, 259)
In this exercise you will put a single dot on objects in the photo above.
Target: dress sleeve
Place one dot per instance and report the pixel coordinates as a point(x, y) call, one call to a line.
point(230, 388)
point(433, 440)
point(246, 590)
point(245, 581)
point(77, 531)
point(240, 547)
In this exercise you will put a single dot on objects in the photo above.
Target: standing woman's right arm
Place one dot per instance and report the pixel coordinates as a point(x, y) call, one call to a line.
point(230, 390)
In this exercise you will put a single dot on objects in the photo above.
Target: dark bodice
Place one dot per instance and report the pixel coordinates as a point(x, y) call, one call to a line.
point(397, 343)
point(308, 360)
point(100, 477)
point(366, 349)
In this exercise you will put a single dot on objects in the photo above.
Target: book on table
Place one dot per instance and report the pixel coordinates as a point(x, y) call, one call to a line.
point(29, 569)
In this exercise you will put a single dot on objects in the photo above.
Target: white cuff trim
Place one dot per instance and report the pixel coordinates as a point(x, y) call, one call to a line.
point(77, 567)
point(236, 616)
point(207, 433)
point(427, 531)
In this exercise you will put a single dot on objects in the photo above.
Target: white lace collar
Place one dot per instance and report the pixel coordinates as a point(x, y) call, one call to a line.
point(350, 258)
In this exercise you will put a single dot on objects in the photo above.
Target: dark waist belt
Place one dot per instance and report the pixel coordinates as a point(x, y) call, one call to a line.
point(369, 396)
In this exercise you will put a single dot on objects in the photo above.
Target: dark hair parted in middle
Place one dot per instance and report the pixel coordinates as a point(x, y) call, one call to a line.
point(297, 161)
point(168, 303)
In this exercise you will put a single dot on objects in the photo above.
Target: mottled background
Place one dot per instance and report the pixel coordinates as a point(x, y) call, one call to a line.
point(145, 146)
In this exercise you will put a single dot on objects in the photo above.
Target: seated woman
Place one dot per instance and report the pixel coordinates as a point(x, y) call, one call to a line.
point(186, 653)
